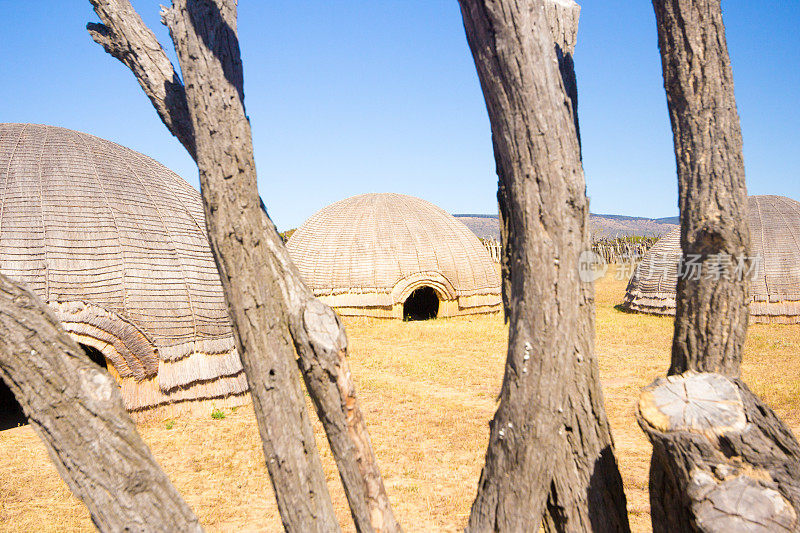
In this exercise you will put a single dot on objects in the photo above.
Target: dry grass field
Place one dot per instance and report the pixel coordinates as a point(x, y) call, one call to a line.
point(428, 389)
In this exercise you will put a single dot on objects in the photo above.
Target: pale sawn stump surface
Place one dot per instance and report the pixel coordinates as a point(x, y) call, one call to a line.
point(729, 463)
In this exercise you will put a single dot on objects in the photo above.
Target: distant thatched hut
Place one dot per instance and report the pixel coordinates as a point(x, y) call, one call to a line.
point(390, 255)
point(775, 236)
point(116, 244)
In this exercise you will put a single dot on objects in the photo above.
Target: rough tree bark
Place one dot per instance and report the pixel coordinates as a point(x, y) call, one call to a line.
point(722, 460)
point(76, 409)
point(271, 308)
point(711, 311)
point(550, 445)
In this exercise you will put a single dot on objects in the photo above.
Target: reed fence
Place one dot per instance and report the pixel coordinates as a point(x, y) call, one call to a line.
point(611, 249)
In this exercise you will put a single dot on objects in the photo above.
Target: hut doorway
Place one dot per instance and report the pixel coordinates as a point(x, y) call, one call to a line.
point(11, 414)
point(422, 304)
point(95, 355)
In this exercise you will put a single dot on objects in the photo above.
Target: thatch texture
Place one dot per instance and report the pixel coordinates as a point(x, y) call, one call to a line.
point(775, 286)
point(116, 244)
point(365, 255)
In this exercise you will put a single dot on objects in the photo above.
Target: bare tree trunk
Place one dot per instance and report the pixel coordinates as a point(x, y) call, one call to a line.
point(205, 40)
point(264, 290)
point(76, 409)
point(722, 461)
point(550, 445)
point(733, 464)
point(711, 311)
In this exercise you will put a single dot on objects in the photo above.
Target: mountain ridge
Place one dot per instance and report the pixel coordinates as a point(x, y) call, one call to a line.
point(600, 225)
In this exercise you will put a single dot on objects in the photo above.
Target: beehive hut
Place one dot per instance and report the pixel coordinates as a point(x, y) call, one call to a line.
point(394, 256)
point(115, 243)
point(775, 286)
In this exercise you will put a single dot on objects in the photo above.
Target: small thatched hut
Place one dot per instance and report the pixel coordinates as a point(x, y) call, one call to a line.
point(775, 285)
point(116, 244)
point(395, 256)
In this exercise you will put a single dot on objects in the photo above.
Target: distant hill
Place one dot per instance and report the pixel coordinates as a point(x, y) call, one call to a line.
point(665, 220)
point(601, 226)
point(670, 220)
point(484, 226)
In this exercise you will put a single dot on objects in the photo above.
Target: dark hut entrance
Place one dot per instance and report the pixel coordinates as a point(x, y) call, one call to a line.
point(95, 355)
point(422, 304)
point(11, 414)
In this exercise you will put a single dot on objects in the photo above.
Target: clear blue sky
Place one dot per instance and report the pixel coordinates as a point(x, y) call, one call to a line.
point(348, 96)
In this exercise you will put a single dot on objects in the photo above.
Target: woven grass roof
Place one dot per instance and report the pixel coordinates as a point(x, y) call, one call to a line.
point(372, 250)
point(775, 236)
point(116, 244)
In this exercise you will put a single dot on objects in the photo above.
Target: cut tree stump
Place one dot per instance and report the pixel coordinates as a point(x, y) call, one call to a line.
point(728, 463)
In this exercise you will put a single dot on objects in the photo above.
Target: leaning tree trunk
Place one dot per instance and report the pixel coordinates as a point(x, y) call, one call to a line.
point(76, 409)
point(722, 461)
point(205, 40)
point(263, 288)
point(711, 304)
point(550, 445)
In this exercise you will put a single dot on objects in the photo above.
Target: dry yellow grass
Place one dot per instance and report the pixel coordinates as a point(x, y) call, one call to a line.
point(428, 389)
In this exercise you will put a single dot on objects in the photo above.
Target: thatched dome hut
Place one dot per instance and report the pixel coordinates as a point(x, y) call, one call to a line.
point(391, 255)
point(116, 244)
point(775, 286)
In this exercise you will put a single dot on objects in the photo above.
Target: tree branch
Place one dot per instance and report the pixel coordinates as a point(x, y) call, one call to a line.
point(76, 409)
point(321, 343)
point(125, 36)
